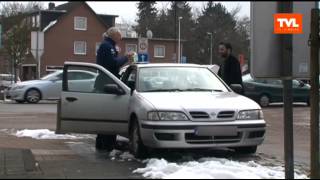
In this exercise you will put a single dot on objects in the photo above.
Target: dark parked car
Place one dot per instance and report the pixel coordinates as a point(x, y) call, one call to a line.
point(266, 91)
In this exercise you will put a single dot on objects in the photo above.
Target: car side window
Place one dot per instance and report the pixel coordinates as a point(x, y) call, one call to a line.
point(87, 80)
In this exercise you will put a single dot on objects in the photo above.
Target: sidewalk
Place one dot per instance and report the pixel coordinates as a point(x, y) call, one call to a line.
point(26, 158)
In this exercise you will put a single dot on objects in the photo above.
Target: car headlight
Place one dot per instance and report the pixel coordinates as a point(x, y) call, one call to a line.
point(250, 115)
point(167, 116)
point(18, 87)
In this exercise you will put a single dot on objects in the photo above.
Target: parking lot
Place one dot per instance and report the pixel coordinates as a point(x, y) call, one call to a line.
point(67, 155)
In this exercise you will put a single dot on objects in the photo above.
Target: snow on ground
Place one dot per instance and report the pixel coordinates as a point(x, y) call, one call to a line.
point(122, 156)
point(210, 168)
point(47, 134)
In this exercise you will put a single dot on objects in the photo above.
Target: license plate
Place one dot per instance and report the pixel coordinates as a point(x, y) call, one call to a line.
point(216, 131)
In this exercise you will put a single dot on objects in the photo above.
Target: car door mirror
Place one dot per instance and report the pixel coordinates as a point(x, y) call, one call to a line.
point(236, 88)
point(113, 89)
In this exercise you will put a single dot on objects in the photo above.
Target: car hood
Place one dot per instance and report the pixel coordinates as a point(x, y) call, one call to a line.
point(32, 82)
point(199, 101)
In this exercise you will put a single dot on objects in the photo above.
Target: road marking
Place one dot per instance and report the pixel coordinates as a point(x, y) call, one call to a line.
point(15, 117)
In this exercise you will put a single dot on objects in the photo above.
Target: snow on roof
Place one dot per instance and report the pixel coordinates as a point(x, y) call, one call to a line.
point(52, 23)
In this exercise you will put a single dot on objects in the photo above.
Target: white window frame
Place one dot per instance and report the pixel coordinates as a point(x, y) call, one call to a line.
point(97, 47)
point(80, 53)
point(75, 23)
point(164, 51)
point(127, 49)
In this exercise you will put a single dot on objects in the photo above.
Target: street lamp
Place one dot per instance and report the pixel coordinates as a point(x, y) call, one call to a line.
point(210, 34)
point(179, 55)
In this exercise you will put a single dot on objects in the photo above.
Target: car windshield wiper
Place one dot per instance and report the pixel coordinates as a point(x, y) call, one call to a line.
point(201, 89)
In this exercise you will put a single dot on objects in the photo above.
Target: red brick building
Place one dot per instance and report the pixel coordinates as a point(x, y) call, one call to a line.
point(73, 32)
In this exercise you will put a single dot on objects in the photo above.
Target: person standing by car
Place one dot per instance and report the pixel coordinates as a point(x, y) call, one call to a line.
point(107, 57)
point(230, 70)
point(107, 54)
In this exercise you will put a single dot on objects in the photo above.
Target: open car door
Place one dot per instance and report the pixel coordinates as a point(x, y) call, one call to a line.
point(92, 106)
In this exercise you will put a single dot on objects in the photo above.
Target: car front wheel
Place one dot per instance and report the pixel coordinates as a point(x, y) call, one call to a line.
point(33, 96)
point(264, 100)
point(137, 148)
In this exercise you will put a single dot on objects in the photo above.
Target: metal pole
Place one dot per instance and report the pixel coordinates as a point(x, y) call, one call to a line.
point(37, 54)
point(286, 56)
point(179, 56)
point(211, 49)
point(314, 98)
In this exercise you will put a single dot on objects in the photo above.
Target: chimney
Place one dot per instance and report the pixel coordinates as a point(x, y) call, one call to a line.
point(51, 6)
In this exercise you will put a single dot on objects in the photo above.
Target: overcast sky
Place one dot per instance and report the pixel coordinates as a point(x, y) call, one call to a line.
point(127, 10)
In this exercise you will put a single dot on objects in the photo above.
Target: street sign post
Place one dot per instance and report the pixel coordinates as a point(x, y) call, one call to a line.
point(143, 58)
point(143, 46)
point(0, 36)
point(37, 46)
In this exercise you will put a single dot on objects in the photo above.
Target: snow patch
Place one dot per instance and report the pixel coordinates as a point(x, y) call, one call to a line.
point(210, 168)
point(52, 23)
point(47, 134)
point(121, 156)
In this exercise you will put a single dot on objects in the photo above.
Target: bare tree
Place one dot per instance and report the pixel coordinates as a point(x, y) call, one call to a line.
point(16, 31)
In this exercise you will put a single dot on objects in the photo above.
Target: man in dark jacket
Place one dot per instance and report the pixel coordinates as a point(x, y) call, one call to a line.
point(230, 70)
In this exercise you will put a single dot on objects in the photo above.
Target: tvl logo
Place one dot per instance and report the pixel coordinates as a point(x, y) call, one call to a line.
point(287, 23)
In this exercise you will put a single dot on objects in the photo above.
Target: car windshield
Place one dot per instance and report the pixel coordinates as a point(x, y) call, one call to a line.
point(162, 79)
point(51, 75)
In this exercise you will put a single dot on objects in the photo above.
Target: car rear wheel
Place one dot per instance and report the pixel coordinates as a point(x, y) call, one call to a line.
point(264, 100)
point(246, 150)
point(137, 148)
point(33, 96)
point(106, 142)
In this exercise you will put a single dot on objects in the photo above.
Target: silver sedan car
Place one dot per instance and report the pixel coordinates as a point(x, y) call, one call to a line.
point(47, 88)
point(161, 106)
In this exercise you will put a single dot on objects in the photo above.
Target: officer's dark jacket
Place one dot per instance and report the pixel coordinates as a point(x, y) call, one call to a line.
point(107, 56)
point(230, 71)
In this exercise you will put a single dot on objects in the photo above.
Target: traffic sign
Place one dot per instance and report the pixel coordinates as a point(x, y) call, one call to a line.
point(143, 45)
point(143, 58)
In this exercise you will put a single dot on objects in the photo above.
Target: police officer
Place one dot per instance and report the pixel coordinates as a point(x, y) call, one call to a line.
point(107, 56)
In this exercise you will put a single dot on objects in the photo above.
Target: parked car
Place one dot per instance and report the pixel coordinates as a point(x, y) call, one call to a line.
point(6, 80)
point(162, 106)
point(266, 91)
point(47, 88)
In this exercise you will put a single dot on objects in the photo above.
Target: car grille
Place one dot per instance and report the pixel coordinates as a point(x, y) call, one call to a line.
point(225, 114)
point(199, 115)
point(191, 138)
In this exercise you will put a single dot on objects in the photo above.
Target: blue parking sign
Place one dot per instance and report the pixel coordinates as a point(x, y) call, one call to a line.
point(143, 58)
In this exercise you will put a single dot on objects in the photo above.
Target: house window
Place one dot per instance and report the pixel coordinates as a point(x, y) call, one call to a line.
point(80, 23)
point(131, 47)
point(159, 51)
point(97, 47)
point(38, 20)
point(33, 21)
point(80, 47)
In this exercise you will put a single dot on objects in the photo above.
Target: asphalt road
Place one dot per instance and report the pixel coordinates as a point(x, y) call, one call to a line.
point(43, 116)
